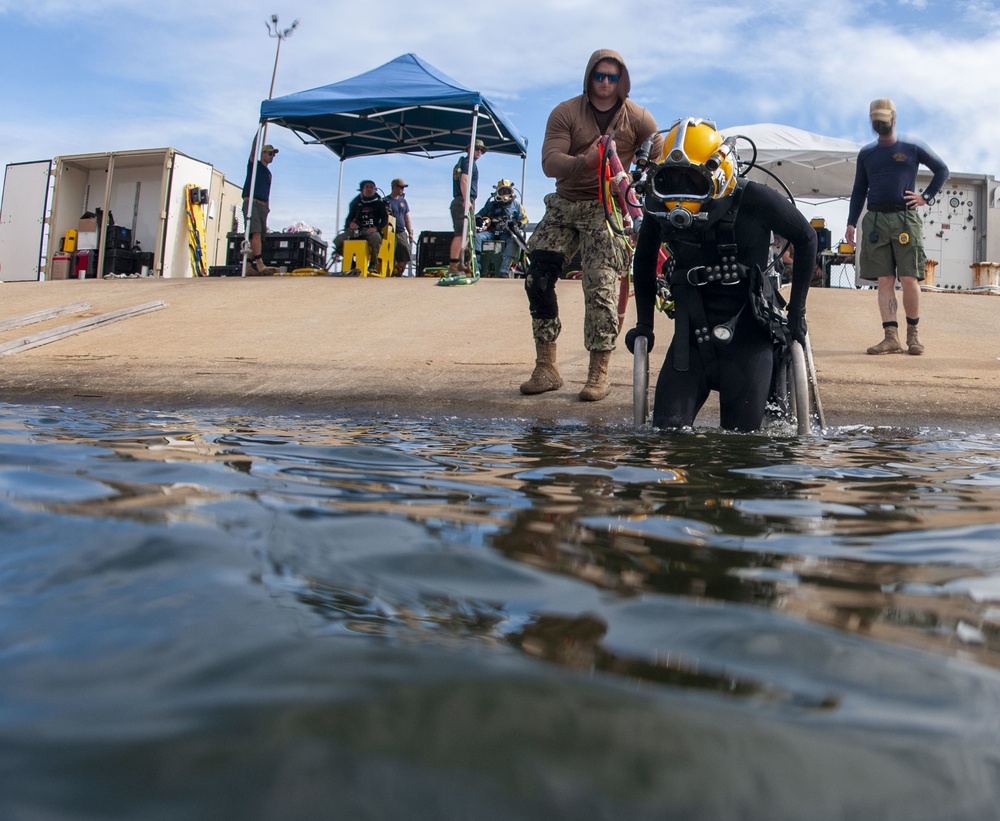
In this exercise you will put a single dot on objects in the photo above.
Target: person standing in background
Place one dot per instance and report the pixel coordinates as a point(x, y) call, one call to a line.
point(892, 231)
point(400, 209)
point(261, 206)
point(463, 182)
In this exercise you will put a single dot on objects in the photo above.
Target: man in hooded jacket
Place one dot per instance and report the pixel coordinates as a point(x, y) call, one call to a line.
point(574, 219)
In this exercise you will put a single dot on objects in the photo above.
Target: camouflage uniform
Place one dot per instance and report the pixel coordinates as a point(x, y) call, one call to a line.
point(566, 227)
point(574, 216)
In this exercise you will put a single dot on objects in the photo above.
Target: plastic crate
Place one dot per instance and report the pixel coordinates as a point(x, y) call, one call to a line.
point(234, 248)
point(294, 250)
point(433, 249)
point(119, 261)
point(118, 236)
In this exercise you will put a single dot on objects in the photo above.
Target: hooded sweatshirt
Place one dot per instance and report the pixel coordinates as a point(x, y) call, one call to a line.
point(572, 128)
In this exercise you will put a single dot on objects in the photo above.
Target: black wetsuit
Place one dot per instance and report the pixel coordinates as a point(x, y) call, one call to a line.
point(740, 370)
point(364, 213)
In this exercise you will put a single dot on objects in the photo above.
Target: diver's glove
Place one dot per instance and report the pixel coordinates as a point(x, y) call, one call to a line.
point(635, 333)
point(797, 328)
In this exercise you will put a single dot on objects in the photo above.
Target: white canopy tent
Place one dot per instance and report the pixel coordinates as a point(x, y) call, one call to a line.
point(813, 167)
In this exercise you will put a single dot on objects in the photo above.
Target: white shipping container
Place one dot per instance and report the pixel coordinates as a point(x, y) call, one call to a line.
point(144, 190)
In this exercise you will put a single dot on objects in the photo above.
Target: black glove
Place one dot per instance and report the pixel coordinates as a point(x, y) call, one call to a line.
point(635, 333)
point(797, 328)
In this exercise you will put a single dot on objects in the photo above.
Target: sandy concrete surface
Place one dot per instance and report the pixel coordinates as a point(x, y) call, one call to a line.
point(333, 345)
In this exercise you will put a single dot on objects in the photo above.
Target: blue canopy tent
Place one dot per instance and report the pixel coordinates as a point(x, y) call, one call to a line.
point(403, 107)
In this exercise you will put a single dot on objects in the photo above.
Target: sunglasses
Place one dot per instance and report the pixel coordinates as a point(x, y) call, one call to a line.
point(601, 76)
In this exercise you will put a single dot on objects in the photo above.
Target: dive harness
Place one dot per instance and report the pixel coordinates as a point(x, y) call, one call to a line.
point(686, 284)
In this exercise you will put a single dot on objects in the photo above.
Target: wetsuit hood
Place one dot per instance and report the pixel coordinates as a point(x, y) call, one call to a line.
point(624, 83)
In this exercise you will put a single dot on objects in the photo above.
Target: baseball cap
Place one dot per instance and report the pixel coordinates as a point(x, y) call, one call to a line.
point(398, 182)
point(881, 109)
point(363, 183)
point(269, 148)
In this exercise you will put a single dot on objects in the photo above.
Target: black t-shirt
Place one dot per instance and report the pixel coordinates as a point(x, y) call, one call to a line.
point(604, 118)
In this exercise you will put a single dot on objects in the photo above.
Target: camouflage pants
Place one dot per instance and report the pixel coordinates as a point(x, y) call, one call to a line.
point(605, 256)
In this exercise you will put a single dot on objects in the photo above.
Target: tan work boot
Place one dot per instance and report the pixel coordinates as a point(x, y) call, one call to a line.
point(597, 386)
point(455, 268)
point(546, 376)
point(888, 345)
point(258, 268)
point(913, 345)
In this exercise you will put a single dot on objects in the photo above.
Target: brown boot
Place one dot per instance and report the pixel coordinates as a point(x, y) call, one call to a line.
point(258, 268)
point(597, 386)
point(546, 376)
point(454, 267)
point(913, 345)
point(888, 345)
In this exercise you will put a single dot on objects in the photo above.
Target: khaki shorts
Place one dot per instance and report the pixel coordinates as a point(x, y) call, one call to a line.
point(258, 218)
point(898, 249)
point(458, 215)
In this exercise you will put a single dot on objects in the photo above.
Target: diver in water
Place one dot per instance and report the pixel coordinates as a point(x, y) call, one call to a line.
point(717, 227)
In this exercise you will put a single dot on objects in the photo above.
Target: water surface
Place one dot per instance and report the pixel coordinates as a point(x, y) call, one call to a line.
point(216, 616)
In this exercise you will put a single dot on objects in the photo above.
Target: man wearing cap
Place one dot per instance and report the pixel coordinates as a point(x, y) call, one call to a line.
point(892, 231)
point(400, 209)
point(258, 214)
point(463, 183)
point(366, 218)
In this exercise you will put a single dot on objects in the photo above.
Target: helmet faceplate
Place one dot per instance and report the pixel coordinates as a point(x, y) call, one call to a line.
point(504, 191)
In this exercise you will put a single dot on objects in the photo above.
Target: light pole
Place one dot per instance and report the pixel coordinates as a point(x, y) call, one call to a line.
point(279, 35)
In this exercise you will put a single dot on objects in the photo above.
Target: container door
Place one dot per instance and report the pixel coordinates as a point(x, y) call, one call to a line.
point(176, 255)
point(950, 233)
point(22, 220)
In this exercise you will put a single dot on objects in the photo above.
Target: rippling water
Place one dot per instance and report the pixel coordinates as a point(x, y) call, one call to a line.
point(216, 616)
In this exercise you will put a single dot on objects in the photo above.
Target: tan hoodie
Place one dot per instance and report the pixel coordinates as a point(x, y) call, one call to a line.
point(572, 128)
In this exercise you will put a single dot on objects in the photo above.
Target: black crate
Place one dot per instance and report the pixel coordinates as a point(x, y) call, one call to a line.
point(433, 249)
point(118, 236)
point(118, 261)
point(234, 248)
point(294, 250)
point(225, 270)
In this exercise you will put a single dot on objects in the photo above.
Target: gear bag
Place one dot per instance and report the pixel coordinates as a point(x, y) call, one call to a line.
point(767, 304)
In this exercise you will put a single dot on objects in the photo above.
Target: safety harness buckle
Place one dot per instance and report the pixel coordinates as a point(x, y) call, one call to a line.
point(727, 272)
point(696, 276)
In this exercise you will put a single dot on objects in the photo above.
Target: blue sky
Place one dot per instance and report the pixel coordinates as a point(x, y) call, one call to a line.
point(116, 75)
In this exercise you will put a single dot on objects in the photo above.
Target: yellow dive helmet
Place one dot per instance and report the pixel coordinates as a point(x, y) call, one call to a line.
point(504, 190)
point(697, 166)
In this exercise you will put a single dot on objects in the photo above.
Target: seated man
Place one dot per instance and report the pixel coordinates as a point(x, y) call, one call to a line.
point(366, 218)
point(501, 215)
